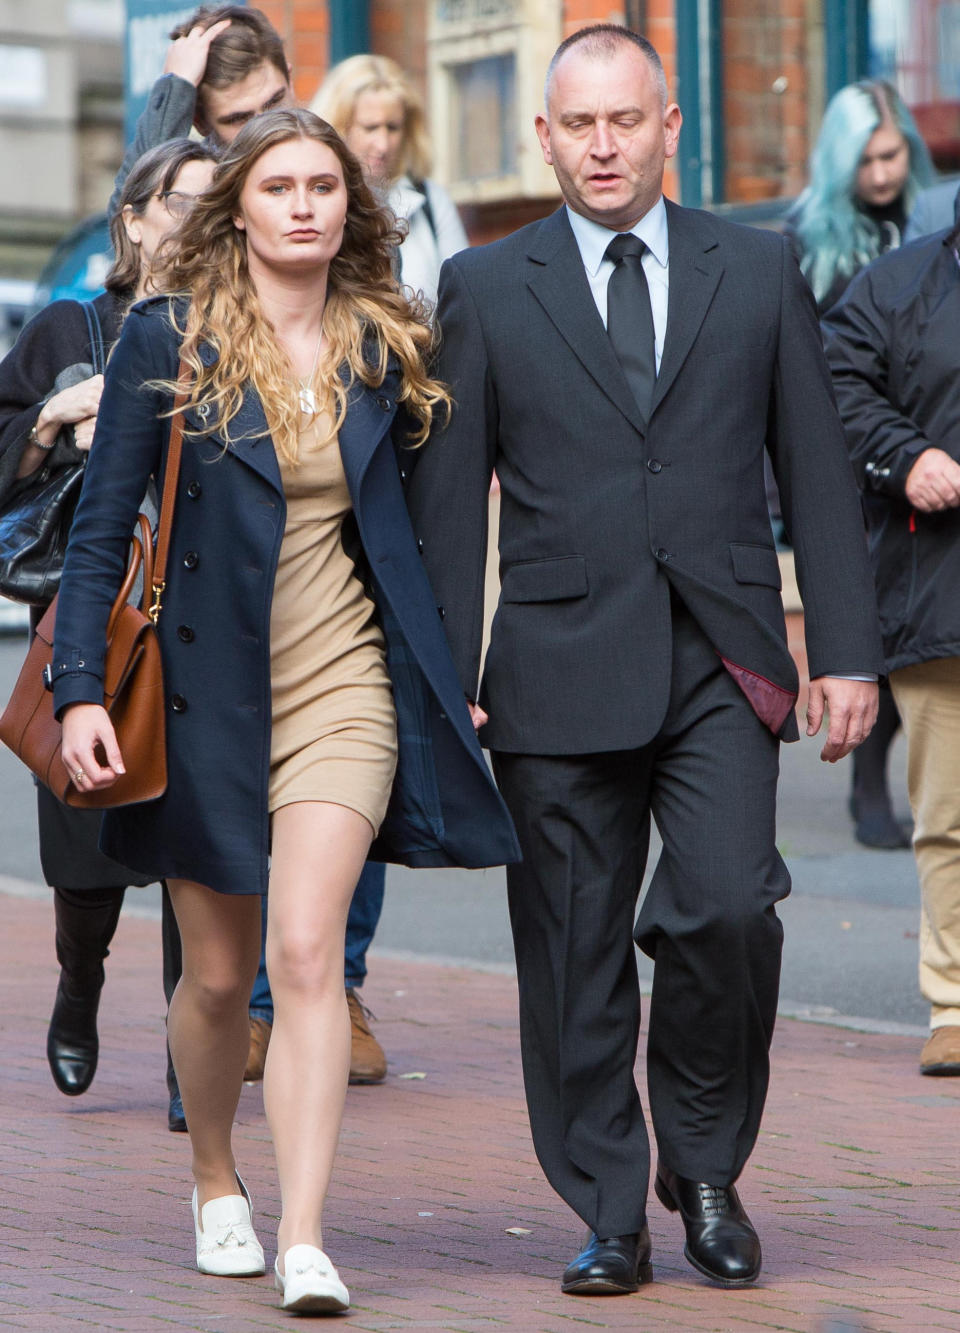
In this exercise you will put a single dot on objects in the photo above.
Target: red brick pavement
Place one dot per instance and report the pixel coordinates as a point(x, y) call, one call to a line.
point(854, 1183)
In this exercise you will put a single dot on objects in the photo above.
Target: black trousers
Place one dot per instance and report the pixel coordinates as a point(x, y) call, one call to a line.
point(708, 920)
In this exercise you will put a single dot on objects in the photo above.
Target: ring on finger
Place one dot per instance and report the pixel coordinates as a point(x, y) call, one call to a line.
point(79, 776)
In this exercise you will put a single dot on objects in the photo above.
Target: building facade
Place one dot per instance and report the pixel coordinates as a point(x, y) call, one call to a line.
point(751, 76)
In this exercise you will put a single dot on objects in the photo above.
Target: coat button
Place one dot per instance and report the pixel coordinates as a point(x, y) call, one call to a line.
point(384, 403)
point(441, 612)
point(185, 634)
point(191, 560)
point(194, 490)
point(654, 465)
point(178, 703)
point(661, 554)
point(420, 545)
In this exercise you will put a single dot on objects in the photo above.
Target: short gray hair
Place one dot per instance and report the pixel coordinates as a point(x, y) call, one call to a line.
point(603, 40)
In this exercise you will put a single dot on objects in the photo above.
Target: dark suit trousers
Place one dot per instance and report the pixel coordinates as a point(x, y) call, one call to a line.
point(708, 920)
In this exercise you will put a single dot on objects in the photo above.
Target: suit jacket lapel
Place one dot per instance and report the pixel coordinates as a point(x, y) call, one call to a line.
point(695, 272)
point(558, 281)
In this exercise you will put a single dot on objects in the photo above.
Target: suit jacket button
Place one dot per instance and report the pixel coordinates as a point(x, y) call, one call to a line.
point(178, 703)
point(384, 403)
point(191, 560)
point(661, 554)
point(185, 634)
point(441, 612)
point(194, 490)
point(654, 465)
point(420, 545)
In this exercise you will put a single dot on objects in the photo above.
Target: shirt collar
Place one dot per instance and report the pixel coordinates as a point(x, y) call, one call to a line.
point(593, 239)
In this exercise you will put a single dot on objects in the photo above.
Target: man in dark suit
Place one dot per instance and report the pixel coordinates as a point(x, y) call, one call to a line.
point(638, 661)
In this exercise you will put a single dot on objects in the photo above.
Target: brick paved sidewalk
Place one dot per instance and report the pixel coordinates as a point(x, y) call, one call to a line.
point(853, 1186)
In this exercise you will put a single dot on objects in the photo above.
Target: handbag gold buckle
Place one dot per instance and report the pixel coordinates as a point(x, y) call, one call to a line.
point(154, 612)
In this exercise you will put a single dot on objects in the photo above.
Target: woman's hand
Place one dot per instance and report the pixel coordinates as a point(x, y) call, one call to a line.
point(477, 716)
point(78, 403)
point(86, 729)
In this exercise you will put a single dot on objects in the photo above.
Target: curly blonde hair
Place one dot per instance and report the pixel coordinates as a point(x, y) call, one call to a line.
point(336, 101)
point(366, 319)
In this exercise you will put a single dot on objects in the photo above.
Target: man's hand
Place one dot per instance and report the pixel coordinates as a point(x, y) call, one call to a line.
point(933, 483)
point(852, 706)
point(187, 56)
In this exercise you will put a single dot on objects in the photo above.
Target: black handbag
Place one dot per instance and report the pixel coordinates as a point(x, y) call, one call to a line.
point(35, 519)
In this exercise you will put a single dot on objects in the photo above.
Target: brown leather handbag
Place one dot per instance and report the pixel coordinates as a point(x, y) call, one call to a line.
point(132, 677)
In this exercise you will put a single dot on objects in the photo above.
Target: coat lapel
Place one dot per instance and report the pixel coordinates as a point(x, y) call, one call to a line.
point(249, 433)
point(370, 414)
point(558, 281)
point(695, 272)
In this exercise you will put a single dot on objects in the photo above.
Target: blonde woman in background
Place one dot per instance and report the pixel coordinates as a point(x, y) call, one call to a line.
point(373, 104)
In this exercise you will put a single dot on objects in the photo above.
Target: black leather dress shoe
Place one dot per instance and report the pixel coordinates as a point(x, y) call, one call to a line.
point(611, 1267)
point(721, 1241)
point(176, 1120)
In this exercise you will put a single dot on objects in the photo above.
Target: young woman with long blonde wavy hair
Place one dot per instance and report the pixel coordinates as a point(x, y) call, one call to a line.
point(312, 705)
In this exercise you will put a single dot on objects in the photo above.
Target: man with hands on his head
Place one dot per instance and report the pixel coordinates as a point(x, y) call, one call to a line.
point(623, 364)
point(225, 65)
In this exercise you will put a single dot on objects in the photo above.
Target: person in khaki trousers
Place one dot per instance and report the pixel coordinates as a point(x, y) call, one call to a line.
point(892, 348)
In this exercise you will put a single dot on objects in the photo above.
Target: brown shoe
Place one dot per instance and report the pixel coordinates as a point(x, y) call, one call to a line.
point(941, 1055)
point(368, 1064)
point(260, 1031)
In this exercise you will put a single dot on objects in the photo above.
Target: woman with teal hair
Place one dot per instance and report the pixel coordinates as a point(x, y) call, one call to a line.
point(867, 168)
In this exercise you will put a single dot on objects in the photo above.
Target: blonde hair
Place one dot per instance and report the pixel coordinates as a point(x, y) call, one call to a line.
point(337, 97)
point(366, 318)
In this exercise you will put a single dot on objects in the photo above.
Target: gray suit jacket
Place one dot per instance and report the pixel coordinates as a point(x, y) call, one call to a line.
point(602, 511)
point(167, 115)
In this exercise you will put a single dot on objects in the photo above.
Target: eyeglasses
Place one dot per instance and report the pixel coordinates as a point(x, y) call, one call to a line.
point(177, 204)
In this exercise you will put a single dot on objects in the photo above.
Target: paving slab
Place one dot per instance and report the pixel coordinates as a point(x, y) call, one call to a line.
point(854, 1185)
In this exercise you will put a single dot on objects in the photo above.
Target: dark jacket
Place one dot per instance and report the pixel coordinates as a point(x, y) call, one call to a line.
point(890, 221)
point(602, 511)
point(893, 350)
point(55, 342)
point(212, 825)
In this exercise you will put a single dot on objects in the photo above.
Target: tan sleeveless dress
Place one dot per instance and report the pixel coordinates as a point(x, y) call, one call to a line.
point(334, 727)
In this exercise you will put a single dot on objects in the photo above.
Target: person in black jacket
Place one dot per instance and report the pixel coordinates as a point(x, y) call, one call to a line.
point(892, 347)
point(49, 399)
point(867, 168)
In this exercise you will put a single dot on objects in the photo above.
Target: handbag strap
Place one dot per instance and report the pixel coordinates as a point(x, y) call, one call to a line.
point(95, 330)
point(168, 499)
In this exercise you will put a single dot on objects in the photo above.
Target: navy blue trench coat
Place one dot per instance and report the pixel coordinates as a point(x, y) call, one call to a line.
point(212, 824)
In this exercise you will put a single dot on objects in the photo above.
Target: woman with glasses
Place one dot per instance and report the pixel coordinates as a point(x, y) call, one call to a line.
point(49, 401)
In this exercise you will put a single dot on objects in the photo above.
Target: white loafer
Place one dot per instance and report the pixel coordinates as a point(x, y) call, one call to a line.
point(227, 1244)
point(309, 1283)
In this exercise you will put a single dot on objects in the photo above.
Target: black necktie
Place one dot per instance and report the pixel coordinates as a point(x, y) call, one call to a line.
point(630, 318)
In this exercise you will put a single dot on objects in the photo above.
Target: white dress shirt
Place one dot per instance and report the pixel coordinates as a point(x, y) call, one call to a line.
point(593, 240)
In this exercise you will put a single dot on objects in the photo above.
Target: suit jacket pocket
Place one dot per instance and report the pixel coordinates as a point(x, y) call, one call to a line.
point(555, 579)
point(755, 564)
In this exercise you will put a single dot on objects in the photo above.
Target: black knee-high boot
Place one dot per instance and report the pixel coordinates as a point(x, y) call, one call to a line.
point(86, 921)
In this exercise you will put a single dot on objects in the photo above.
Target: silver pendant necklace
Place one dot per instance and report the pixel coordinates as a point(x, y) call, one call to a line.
point(307, 395)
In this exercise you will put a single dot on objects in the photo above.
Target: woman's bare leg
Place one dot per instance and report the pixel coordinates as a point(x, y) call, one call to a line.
point(318, 853)
point(207, 1024)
